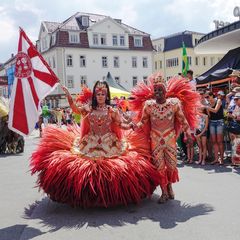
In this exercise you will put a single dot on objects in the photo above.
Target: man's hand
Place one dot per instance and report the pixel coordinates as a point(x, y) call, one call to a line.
point(189, 139)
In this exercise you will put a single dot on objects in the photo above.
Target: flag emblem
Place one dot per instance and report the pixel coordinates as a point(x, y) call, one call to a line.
point(23, 68)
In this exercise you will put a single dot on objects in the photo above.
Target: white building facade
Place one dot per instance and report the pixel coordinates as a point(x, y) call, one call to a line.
point(84, 48)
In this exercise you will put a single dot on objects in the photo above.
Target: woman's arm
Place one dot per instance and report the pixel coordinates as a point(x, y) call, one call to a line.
point(117, 119)
point(217, 107)
point(76, 109)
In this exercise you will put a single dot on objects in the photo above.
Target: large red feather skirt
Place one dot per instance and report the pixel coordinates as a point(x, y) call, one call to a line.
point(69, 178)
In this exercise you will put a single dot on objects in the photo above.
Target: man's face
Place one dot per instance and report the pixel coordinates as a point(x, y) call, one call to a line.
point(159, 91)
point(189, 76)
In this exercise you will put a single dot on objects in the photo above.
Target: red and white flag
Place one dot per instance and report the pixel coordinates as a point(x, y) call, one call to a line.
point(34, 80)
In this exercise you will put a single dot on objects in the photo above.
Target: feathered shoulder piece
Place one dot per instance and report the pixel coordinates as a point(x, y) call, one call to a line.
point(85, 96)
point(139, 95)
point(176, 88)
point(190, 99)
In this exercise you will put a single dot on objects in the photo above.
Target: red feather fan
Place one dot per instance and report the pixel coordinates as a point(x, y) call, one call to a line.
point(85, 96)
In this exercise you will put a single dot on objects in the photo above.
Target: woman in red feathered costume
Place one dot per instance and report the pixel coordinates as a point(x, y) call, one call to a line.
point(95, 165)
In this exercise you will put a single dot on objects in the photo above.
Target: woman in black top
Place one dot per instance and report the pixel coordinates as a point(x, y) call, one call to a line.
point(216, 127)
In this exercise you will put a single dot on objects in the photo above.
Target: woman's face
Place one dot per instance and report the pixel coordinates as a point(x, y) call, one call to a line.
point(101, 97)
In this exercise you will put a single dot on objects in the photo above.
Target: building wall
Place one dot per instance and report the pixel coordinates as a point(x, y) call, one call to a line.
point(94, 70)
point(196, 64)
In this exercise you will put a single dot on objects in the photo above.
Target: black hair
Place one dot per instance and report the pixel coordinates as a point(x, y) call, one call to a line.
point(211, 94)
point(190, 72)
point(94, 99)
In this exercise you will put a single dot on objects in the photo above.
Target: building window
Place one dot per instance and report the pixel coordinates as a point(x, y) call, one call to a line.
point(83, 81)
point(160, 64)
point(122, 41)
point(82, 61)
point(189, 60)
point(70, 83)
point(95, 39)
point(116, 62)
point(74, 38)
point(212, 61)
point(53, 39)
point(204, 61)
point(134, 81)
point(117, 80)
point(196, 61)
point(44, 44)
point(145, 62)
point(138, 42)
point(69, 61)
point(155, 65)
point(145, 80)
point(114, 40)
point(159, 48)
point(104, 62)
point(103, 39)
point(134, 62)
point(53, 62)
point(172, 62)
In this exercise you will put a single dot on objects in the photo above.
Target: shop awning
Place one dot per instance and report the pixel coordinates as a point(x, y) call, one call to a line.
point(223, 68)
point(115, 92)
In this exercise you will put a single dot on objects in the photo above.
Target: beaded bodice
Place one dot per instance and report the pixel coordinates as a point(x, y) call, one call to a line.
point(161, 115)
point(100, 122)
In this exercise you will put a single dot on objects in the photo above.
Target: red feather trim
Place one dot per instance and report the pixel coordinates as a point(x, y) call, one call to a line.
point(190, 99)
point(80, 181)
point(85, 96)
point(139, 95)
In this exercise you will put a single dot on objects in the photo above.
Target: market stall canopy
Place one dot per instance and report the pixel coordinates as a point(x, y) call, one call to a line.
point(115, 92)
point(223, 68)
point(113, 83)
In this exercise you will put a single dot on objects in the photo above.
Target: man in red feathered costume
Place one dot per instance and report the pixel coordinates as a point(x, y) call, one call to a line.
point(165, 116)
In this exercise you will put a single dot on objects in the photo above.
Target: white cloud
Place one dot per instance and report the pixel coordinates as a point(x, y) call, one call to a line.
point(157, 17)
point(7, 28)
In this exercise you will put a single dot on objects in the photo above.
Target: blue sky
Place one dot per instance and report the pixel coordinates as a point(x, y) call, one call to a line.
point(156, 17)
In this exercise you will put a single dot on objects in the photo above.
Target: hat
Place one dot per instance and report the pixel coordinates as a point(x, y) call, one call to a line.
point(220, 93)
point(236, 89)
point(237, 96)
point(235, 73)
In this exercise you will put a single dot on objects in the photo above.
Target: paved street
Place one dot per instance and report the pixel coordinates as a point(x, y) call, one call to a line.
point(206, 207)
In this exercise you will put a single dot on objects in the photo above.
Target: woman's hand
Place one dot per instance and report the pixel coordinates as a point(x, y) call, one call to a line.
point(65, 89)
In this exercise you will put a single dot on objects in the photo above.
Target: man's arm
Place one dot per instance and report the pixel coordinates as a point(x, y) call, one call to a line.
point(181, 118)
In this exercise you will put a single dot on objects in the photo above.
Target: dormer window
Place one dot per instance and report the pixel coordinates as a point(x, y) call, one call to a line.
point(44, 44)
point(122, 41)
point(85, 21)
point(95, 39)
point(74, 37)
point(115, 40)
point(53, 39)
point(138, 42)
point(103, 39)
